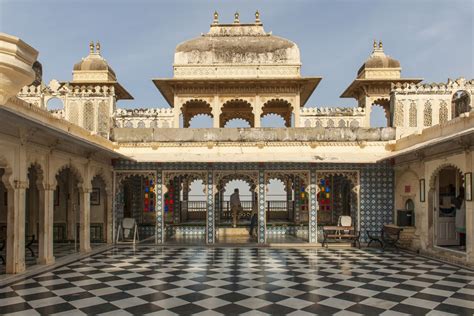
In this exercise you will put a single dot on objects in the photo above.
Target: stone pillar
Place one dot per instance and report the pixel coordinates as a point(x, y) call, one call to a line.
point(313, 207)
point(262, 222)
point(210, 218)
point(85, 219)
point(257, 112)
point(469, 212)
point(108, 227)
point(46, 221)
point(160, 190)
point(296, 112)
point(216, 112)
point(71, 209)
point(176, 112)
point(15, 247)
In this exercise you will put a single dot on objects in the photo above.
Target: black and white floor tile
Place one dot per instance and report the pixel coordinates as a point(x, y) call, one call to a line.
point(245, 281)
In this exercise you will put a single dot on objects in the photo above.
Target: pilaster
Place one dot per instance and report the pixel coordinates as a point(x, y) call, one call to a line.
point(46, 221)
point(15, 247)
point(160, 190)
point(262, 224)
point(313, 206)
point(210, 218)
point(85, 219)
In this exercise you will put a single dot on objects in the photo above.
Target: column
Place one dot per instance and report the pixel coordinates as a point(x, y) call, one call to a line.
point(46, 220)
point(210, 222)
point(262, 227)
point(176, 112)
point(469, 212)
point(257, 111)
point(176, 199)
point(108, 227)
point(297, 200)
point(85, 219)
point(296, 111)
point(15, 247)
point(216, 112)
point(160, 192)
point(313, 206)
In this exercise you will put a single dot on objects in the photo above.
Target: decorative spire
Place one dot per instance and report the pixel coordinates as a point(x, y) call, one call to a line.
point(216, 18)
point(257, 17)
point(236, 18)
point(97, 47)
point(380, 45)
point(91, 47)
point(375, 45)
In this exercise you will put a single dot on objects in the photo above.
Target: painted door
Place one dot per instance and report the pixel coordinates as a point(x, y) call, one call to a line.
point(445, 219)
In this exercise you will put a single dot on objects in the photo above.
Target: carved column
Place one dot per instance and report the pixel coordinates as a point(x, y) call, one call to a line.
point(15, 247)
point(46, 221)
point(160, 190)
point(85, 219)
point(313, 207)
point(262, 223)
point(257, 112)
point(297, 200)
point(210, 218)
point(108, 227)
point(216, 112)
point(296, 111)
point(176, 112)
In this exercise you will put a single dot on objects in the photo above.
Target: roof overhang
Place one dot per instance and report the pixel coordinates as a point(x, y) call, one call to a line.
point(357, 84)
point(168, 86)
point(120, 91)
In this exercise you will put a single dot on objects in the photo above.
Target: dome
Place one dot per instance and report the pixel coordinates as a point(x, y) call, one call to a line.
point(378, 59)
point(237, 44)
point(94, 62)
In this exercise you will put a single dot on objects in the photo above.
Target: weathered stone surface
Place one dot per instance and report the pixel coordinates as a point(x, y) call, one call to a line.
point(125, 135)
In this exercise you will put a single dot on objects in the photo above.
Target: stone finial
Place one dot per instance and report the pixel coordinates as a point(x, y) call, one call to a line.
point(97, 47)
point(380, 45)
point(375, 45)
point(216, 18)
point(91, 47)
point(236, 18)
point(257, 17)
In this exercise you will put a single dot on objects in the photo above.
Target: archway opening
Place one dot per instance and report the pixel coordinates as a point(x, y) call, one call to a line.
point(449, 211)
point(337, 201)
point(54, 105)
point(236, 109)
point(98, 205)
point(66, 201)
point(281, 108)
point(194, 108)
point(460, 103)
point(201, 121)
point(378, 116)
point(273, 120)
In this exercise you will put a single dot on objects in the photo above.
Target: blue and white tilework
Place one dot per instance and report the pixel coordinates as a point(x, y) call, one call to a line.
point(210, 223)
point(159, 236)
point(261, 208)
point(313, 219)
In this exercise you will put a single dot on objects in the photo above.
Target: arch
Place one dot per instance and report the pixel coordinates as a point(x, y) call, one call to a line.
point(279, 185)
point(354, 124)
point(100, 172)
point(194, 107)
point(54, 104)
point(307, 123)
point(275, 120)
point(381, 116)
point(341, 123)
point(460, 103)
point(236, 109)
point(318, 123)
point(443, 112)
point(222, 182)
point(279, 107)
point(201, 120)
point(436, 171)
point(141, 124)
point(330, 123)
point(74, 170)
point(128, 124)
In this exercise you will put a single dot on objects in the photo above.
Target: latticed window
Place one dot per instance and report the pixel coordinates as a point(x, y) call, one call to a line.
point(341, 123)
point(330, 123)
point(354, 124)
point(141, 124)
point(399, 113)
point(73, 113)
point(443, 112)
point(412, 115)
point(89, 116)
point(427, 114)
point(103, 119)
point(318, 123)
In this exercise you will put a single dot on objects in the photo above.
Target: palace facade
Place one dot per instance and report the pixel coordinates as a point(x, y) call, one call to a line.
point(70, 175)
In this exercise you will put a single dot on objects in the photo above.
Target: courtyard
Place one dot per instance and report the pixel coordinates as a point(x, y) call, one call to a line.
point(126, 280)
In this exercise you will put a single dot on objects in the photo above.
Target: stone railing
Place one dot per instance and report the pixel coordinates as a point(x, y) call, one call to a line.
point(449, 87)
point(332, 117)
point(144, 118)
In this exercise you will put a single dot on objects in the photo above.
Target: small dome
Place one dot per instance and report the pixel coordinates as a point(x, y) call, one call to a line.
point(378, 59)
point(94, 62)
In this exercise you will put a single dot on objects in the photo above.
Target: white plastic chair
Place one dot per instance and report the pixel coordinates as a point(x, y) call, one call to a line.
point(127, 226)
point(344, 220)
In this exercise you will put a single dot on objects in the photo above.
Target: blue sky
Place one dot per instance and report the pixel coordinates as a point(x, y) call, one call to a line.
point(432, 39)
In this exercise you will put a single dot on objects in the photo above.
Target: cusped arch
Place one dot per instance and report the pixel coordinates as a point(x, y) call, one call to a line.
point(193, 107)
point(436, 171)
point(236, 109)
point(101, 173)
point(76, 171)
point(40, 173)
point(280, 107)
point(222, 182)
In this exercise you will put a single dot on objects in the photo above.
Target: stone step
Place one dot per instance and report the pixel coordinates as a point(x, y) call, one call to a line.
point(231, 231)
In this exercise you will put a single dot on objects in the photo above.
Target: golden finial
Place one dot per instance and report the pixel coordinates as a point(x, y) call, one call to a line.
point(97, 47)
point(216, 17)
point(91, 47)
point(236, 17)
point(257, 17)
point(375, 45)
point(380, 45)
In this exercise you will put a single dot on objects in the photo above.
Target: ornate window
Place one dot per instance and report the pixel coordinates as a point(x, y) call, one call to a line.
point(307, 123)
point(318, 123)
point(74, 113)
point(103, 119)
point(141, 124)
point(341, 123)
point(427, 114)
point(443, 112)
point(89, 116)
point(128, 124)
point(399, 114)
point(354, 124)
point(330, 123)
point(412, 115)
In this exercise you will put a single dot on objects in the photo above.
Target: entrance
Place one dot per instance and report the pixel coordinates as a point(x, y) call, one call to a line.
point(449, 218)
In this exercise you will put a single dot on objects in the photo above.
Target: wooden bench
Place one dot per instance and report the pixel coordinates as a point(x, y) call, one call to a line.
point(29, 240)
point(340, 233)
point(387, 237)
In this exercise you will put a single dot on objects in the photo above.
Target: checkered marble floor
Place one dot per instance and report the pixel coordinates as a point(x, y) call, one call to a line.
point(245, 281)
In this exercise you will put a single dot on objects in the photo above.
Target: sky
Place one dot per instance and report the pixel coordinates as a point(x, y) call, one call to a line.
point(432, 39)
